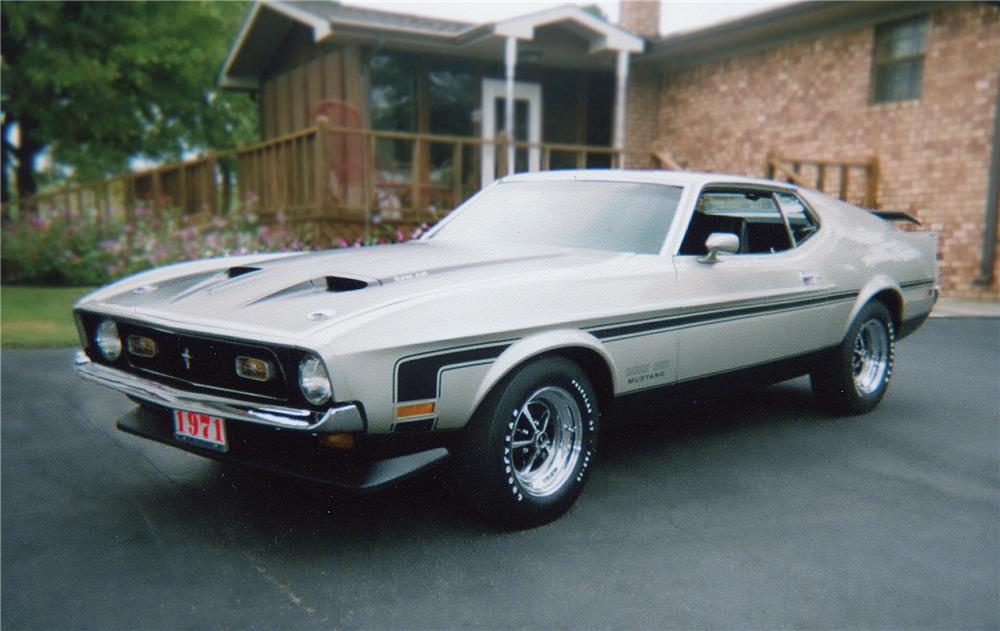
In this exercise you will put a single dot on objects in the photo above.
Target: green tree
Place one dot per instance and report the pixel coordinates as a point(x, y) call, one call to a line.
point(595, 11)
point(95, 84)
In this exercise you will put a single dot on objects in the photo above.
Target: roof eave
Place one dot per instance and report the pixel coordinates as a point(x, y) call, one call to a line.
point(320, 28)
point(609, 36)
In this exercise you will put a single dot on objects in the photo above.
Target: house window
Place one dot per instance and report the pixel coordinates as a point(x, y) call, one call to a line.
point(410, 94)
point(898, 64)
point(393, 92)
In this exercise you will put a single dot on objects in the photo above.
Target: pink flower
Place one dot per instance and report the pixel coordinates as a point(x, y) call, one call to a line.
point(111, 247)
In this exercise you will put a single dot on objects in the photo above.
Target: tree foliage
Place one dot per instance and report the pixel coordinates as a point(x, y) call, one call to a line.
point(97, 83)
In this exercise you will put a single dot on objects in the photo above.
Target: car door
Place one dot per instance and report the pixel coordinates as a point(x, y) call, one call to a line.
point(751, 306)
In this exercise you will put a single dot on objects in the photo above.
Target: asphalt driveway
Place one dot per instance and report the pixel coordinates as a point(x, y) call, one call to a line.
point(756, 513)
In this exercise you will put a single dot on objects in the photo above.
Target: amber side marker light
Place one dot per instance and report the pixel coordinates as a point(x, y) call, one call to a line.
point(338, 441)
point(411, 410)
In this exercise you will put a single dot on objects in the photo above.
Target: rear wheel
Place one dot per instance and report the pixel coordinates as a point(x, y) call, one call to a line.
point(853, 378)
point(528, 449)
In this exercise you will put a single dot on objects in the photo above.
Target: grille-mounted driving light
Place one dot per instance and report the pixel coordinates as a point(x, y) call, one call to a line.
point(141, 346)
point(253, 368)
point(314, 380)
point(107, 340)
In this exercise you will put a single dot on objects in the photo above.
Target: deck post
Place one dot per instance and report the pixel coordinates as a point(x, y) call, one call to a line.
point(510, 61)
point(321, 167)
point(621, 86)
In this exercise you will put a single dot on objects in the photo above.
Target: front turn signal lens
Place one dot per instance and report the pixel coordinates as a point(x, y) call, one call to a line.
point(253, 368)
point(338, 441)
point(141, 346)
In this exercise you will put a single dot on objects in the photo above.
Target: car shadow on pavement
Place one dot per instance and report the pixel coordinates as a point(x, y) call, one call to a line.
point(650, 423)
point(265, 508)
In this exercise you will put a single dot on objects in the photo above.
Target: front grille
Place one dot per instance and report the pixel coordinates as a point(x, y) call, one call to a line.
point(205, 364)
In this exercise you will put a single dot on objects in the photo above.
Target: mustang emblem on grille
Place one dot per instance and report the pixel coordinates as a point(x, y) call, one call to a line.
point(186, 356)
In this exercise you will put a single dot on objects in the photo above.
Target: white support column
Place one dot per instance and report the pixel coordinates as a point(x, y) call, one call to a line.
point(621, 87)
point(510, 60)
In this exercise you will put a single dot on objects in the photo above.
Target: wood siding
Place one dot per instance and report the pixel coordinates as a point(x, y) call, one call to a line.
point(302, 77)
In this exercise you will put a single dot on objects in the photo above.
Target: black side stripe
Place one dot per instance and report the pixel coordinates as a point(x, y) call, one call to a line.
point(916, 283)
point(417, 378)
point(673, 322)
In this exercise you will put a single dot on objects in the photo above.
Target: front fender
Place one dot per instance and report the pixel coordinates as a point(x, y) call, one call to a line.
point(534, 345)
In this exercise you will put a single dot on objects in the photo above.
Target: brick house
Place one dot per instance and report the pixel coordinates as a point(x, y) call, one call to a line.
point(366, 113)
point(913, 85)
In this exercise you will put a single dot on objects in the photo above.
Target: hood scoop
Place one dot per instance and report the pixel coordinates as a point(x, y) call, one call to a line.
point(233, 272)
point(338, 284)
point(323, 284)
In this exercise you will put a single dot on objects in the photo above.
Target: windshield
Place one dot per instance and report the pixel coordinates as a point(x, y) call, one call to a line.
point(597, 215)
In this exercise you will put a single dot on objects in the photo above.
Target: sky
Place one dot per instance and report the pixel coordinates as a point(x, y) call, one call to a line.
point(675, 16)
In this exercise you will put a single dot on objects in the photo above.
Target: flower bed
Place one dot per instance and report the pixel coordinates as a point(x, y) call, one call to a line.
point(70, 249)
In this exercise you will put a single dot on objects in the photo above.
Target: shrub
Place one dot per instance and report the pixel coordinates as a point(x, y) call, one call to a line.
point(69, 249)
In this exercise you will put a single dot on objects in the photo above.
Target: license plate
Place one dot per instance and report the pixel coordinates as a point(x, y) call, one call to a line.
point(200, 430)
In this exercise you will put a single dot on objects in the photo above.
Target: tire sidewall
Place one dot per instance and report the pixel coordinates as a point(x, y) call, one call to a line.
point(501, 494)
point(843, 387)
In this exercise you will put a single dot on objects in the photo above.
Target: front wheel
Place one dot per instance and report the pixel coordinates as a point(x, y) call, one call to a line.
point(529, 447)
point(853, 377)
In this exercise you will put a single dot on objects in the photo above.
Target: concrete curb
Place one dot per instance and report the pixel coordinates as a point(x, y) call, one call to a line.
point(954, 308)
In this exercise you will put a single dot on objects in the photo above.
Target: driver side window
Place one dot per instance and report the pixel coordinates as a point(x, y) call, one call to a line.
point(751, 215)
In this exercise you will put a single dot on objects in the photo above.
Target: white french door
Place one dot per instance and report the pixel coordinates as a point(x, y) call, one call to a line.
point(527, 125)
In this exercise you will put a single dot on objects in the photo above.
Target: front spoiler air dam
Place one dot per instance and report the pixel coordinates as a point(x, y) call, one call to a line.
point(341, 417)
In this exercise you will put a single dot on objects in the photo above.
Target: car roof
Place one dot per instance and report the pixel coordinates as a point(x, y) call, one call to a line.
point(676, 178)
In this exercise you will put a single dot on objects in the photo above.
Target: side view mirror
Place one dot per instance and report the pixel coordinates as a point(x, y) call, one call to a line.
point(720, 242)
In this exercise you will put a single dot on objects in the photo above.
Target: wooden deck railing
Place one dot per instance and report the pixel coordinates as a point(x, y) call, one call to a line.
point(280, 174)
point(194, 186)
point(856, 182)
point(322, 173)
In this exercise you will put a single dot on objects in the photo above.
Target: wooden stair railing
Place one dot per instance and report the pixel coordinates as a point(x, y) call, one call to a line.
point(840, 172)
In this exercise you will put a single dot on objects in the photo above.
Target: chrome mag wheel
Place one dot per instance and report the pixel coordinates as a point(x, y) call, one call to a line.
point(545, 441)
point(870, 360)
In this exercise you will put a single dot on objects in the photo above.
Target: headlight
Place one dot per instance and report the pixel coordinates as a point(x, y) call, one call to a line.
point(314, 381)
point(107, 340)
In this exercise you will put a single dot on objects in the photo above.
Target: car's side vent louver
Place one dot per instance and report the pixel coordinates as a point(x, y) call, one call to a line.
point(339, 283)
point(233, 272)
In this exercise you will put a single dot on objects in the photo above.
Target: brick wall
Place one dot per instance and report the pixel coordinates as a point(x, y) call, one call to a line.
point(811, 99)
point(641, 116)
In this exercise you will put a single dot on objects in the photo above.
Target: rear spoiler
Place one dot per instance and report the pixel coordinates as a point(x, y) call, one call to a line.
point(895, 215)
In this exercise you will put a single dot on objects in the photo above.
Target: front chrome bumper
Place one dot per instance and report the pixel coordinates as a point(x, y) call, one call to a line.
point(340, 417)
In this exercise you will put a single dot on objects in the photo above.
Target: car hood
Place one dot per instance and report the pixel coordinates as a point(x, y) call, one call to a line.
point(298, 295)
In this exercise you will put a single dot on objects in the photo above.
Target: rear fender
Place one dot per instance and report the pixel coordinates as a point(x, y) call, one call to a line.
point(875, 286)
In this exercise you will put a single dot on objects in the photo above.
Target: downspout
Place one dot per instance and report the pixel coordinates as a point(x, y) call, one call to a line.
point(988, 259)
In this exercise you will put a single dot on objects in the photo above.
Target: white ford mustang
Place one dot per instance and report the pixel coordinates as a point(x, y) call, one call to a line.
point(496, 340)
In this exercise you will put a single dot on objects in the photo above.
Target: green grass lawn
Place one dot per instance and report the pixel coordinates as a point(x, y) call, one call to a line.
point(37, 317)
